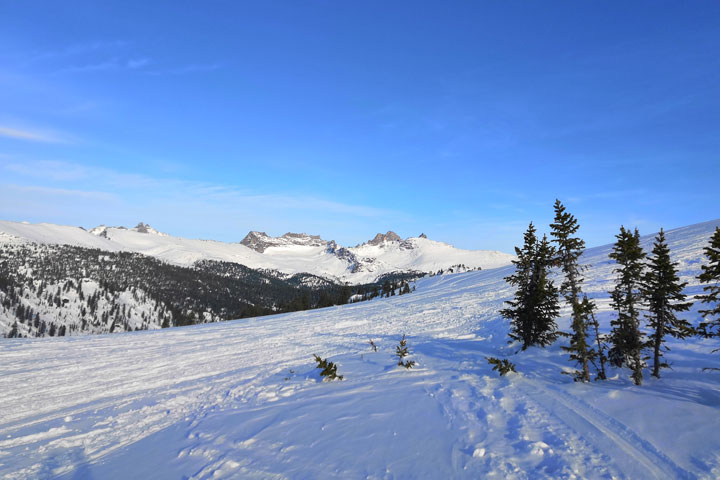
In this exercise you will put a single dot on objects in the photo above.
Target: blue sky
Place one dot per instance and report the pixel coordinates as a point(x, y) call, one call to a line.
point(462, 120)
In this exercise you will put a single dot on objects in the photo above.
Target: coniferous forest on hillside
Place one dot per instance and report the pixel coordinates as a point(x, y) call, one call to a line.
point(57, 290)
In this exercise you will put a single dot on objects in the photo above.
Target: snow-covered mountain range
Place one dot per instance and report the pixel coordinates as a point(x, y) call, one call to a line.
point(289, 254)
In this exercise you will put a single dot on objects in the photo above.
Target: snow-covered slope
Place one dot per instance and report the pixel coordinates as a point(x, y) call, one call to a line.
point(290, 253)
point(242, 399)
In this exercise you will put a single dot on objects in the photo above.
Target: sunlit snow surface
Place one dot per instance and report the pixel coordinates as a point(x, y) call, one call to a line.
point(243, 400)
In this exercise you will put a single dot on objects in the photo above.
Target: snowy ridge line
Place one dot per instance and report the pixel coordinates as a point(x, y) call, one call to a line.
point(289, 254)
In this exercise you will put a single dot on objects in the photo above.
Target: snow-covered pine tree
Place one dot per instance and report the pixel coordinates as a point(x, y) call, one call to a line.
point(519, 310)
point(534, 308)
point(626, 337)
point(710, 327)
point(569, 249)
point(401, 351)
point(547, 304)
point(662, 291)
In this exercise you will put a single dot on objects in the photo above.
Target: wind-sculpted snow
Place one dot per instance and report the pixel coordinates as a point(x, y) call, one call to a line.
point(243, 399)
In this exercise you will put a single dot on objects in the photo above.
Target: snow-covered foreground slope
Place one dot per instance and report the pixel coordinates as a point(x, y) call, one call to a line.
point(242, 399)
point(289, 254)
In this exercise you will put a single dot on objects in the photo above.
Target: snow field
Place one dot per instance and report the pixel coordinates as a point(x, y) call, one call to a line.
point(243, 399)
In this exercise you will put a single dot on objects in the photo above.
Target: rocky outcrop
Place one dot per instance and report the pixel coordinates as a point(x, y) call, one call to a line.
point(390, 236)
point(261, 241)
point(102, 230)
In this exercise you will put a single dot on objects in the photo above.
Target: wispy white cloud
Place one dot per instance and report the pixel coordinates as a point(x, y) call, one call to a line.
point(59, 192)
point(113, 64)
point(135, 63)
point(208, 67)
point(76, 49)
point(32, 135)
point(633, 193)
point(187, 69)
point(184, 207)
point(48, 169)
point(60, 171)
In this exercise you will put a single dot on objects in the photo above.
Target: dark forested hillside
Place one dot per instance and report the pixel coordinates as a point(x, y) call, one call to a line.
point(55, 290)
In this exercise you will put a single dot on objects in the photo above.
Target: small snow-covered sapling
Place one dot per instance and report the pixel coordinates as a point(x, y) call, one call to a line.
point(329, 369)
point(401, 351)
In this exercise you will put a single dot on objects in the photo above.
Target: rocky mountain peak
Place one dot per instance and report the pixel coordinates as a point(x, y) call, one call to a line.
point(102, 230)
point(301, 236)
point(260, 241)
point(255, 240)
point(146, 228)
point(390, 236)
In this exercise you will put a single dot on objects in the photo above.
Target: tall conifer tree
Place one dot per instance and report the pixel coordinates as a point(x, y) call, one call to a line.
point(626, 337)
point(534, 308)
point(663, 293)
point(569, 249)
point(546, 303)
point(710, 327)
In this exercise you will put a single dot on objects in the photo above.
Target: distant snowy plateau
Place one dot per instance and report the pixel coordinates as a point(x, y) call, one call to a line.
point(289, 254)
point(242, 399)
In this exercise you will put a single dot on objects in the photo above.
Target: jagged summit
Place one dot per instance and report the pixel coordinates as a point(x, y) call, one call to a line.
point(260, 241)
point(102, 230)
point(390, 236)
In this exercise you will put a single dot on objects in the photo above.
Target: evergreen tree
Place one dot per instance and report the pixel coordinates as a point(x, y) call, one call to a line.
point(546, 298)
point(662, 291)
point(519, 311)
point(401, 351)
point(711, 275)
point(626, 337)
point(503, 366)
point(569, 249)
point(328, 369)
point(13, 331)
point(534, 308)
point(599, 339)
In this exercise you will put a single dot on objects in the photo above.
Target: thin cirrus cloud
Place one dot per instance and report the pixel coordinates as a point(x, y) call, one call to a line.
point(75, 50)
point(187, 69)
point(192, 202)
point(114, 64)
point(29, 135)
point(58, 192)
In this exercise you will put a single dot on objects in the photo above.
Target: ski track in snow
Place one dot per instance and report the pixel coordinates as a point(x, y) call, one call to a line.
point(242, 399)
